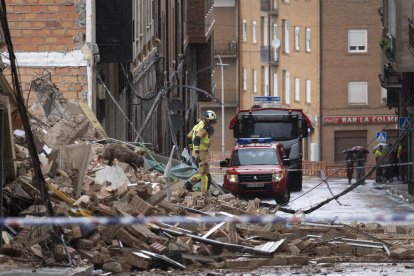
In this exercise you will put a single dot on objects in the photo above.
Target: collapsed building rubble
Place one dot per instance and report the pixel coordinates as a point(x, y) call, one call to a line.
point(90, 175)
point(85, 179)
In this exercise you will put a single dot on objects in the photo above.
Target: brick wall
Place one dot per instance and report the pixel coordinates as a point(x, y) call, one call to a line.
point(72, 81)
point(49, 26)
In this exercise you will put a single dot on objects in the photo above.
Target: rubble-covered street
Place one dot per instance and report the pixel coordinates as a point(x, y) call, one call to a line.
point(89, 175)
point(75, 201)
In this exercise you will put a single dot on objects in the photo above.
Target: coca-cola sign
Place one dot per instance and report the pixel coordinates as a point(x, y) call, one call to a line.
point(360, 120)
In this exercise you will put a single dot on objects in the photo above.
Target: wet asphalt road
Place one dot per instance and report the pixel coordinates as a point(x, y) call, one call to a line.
point(365, 201)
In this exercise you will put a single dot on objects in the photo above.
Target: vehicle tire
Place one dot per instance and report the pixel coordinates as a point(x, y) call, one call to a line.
point(284, 198)
point(295, 181)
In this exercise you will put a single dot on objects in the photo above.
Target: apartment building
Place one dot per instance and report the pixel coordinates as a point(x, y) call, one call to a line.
point(397, 78)
point(353, 105)
point(154, 74)
point(279, 56)
point(48, 39)
point(132, 61)
point(226, 72)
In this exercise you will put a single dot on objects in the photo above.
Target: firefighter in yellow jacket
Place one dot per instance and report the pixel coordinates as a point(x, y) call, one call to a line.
point(199, 141)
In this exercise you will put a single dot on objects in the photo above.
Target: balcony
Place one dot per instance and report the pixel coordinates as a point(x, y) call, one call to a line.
point(270, 6)
point(200, 20)
point(226, 48)
point(387, 44)
point(391, 80)
point(411, 36)
point(269, 55)
point(230, 97)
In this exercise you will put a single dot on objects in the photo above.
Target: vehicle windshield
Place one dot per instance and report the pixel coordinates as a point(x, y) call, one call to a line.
point(248, 156)
point(278, 131)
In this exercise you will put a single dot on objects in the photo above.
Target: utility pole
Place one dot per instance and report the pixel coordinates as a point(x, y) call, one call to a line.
point(2, 175)
point(222, 104)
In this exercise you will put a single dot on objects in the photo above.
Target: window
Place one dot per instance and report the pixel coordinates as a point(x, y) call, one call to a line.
point(274, 31)
point(244, 30)
point(287, 87)
point(358, 93)
point(265, 31)
point(297, 32)
point(286, 34)
point(357, 41)
point(275, 83)
point(139, 32)
point(252, 156)
point(254, 81)
point(244, 79)
point(308, 92)
point(308, 40)
point(149, 16)
point(265, 77)
point(297, 89)
point(254, 39)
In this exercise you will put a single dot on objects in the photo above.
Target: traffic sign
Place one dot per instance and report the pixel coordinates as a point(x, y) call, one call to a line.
point(266, 99)
point(406, 123)
point(382, 137)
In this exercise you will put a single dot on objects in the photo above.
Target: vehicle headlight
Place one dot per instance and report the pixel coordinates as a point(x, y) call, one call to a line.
point(233, 178)
point(277, 176)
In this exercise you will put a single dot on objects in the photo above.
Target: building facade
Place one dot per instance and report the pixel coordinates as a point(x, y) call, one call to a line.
point(132, 61)
point(297, 77)
point(397, 78)
point(226, 73)
point(353, 105)
point(279, 56)
point(48, 39)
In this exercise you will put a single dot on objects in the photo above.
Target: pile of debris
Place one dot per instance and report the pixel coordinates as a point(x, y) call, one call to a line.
point(89, 175)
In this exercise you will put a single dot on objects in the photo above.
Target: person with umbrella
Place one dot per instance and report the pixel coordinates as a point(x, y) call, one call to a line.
point(360, 154)
point(349, 160)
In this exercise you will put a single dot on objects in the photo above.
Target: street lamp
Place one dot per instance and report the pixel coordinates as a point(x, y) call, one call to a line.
point(222, 103)
point(222, 97)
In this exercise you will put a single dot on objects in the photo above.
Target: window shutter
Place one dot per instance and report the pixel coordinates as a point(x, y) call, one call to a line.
point(287, 50)
point(297, 89)
point(308, 91)
point(358, 93)
point(357, 38)
point(287, 87)
point(275, 83)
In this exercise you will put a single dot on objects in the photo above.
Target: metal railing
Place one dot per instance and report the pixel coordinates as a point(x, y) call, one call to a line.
point(269, 54)
point(270, 6)
point(226, 47)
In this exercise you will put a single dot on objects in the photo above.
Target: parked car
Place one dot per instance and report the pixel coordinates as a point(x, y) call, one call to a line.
point(257, 167)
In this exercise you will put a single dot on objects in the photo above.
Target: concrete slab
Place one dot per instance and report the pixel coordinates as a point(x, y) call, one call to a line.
point(45, 271)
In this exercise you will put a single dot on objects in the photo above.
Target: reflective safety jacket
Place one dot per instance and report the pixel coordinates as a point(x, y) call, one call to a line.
point(200, 136)
point(378, 153)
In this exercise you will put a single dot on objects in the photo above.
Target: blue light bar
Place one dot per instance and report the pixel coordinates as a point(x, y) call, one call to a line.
point(243, 141)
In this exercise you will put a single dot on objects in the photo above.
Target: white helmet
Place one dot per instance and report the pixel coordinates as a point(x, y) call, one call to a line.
point(210, 116)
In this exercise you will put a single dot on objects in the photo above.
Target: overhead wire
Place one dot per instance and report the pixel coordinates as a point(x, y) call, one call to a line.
point(359, 182)
point(117, 105)
point(136, 94)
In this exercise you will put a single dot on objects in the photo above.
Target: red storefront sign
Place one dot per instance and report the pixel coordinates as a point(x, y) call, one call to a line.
point(360, 120)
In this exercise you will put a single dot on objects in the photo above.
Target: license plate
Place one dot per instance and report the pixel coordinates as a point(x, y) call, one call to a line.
point(255, 185)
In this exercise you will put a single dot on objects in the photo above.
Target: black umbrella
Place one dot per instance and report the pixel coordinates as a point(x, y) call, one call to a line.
point(356, 149)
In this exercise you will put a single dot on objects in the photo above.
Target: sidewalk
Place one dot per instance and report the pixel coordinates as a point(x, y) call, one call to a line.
point(396, 188)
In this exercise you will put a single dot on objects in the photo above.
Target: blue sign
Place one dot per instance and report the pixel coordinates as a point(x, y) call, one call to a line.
point(406, 123)
point(382, 137)
point(266, 99)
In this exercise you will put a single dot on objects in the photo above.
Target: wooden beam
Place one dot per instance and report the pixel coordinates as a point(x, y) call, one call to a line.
point(8, 147)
